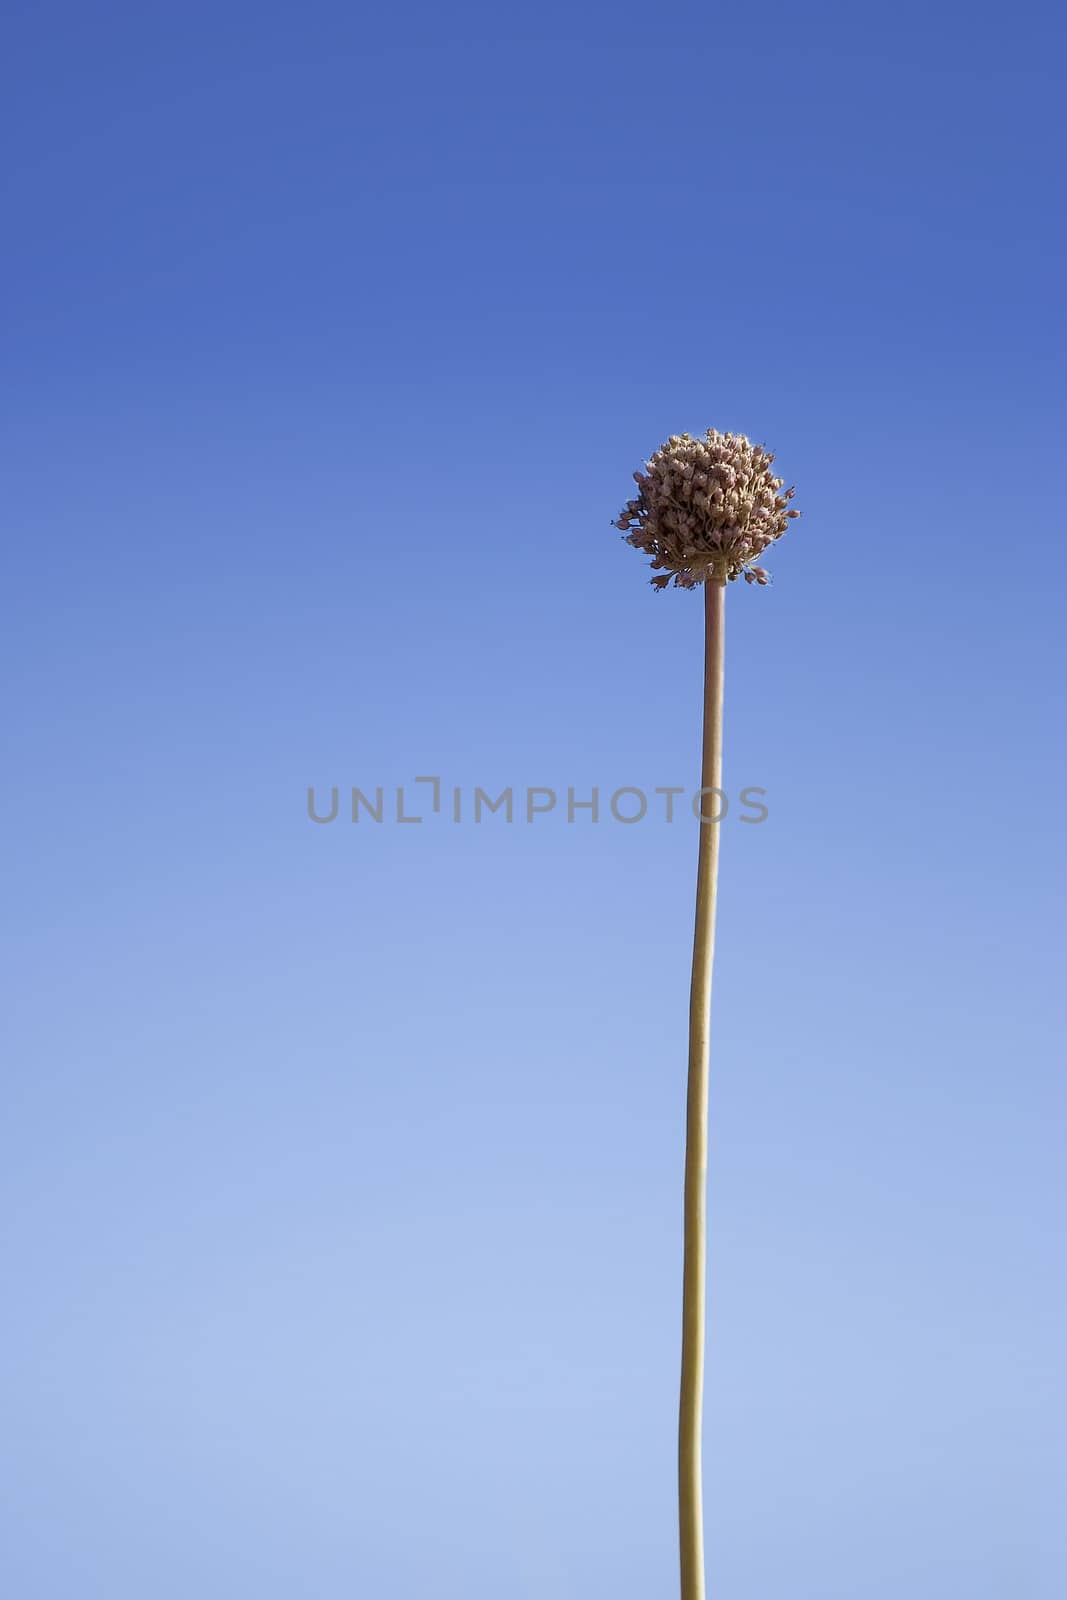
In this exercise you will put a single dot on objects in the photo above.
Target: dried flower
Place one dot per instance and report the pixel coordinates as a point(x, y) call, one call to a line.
point(706, 509)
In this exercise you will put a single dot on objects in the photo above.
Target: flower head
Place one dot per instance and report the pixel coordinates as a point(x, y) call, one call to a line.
point(706, 510)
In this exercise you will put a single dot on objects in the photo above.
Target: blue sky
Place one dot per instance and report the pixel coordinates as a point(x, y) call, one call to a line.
point(342, 1165)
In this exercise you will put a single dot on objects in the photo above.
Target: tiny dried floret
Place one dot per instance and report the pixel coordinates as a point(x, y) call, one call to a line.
point(706, 510)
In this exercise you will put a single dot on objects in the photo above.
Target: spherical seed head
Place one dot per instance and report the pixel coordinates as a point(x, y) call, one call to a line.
point(706, 510)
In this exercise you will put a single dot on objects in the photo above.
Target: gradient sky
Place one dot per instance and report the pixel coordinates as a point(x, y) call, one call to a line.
point(341, 1165)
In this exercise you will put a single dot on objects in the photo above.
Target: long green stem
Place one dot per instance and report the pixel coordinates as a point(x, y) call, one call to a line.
point(694, 1272)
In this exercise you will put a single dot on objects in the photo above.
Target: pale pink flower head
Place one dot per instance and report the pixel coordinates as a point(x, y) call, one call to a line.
point(706, 510)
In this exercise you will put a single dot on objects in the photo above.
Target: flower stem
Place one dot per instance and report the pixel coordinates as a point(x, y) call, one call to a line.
point(694, 1272)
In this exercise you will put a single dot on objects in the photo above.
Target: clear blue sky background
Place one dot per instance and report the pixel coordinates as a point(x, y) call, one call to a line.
point(342, 1165)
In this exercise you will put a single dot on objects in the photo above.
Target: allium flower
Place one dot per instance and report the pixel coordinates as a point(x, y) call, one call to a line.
point(706, 509)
